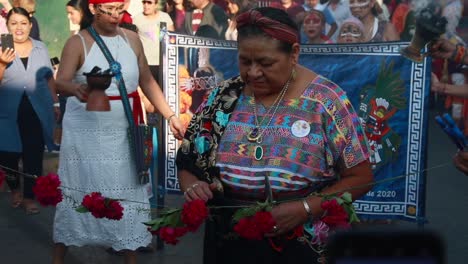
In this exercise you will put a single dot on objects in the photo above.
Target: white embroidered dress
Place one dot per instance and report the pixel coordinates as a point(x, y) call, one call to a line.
point(95, 157)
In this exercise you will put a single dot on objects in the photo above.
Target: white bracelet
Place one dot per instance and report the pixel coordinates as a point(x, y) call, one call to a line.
point(56, 104)
point(306, 207)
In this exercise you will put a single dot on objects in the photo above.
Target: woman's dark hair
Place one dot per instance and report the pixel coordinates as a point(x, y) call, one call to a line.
point(20, 11)
point(272, 13)
point(88, 17)
point(75, 4)
point(243, 5)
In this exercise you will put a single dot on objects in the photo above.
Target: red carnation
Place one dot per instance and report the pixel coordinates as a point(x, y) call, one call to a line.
point(47, 190)
point(101, 207)
point(335, 214)
point(194, 214)
point(264, 221)
point(170, 234)
point(94, 202)
point(114, 210)
point(247, 228)
point(2, 177)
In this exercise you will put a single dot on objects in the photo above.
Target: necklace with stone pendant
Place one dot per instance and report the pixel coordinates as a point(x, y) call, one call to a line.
point(255, 135)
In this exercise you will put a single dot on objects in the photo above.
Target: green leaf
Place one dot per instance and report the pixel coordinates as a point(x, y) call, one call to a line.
point(81, 209)
point(245, 212)
point(154, 221)
point(173, 219)
point(347, 197)
point(169, 211)
point(155, 224)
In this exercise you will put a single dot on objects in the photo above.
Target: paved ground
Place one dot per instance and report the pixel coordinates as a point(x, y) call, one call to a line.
point(27, 239)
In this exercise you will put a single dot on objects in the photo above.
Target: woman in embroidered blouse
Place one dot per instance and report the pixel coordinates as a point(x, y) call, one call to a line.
point(27, 96)
point(278, 124)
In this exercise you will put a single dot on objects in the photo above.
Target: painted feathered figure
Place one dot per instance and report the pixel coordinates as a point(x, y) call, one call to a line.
point(378, 105)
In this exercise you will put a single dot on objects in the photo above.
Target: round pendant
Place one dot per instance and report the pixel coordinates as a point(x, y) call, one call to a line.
point(254, 135)
point(258, 153)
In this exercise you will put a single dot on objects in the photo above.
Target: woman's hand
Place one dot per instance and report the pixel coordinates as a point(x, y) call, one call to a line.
point(57, 113)
point(436, 85)
point(176, 127)
point(7, 56)
point(199, 190)
point(442, 49)
point(287, 216)
point(461, 161)
point(81, 92)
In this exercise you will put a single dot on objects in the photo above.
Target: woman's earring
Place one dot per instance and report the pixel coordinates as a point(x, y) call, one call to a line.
point(293, 74)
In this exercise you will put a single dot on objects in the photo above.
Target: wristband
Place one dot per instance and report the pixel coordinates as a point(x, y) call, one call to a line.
point(56, 104)
point(169, 118)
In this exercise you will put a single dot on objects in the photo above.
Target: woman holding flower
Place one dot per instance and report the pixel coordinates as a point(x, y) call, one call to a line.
point(95, 158)
point(275, 135)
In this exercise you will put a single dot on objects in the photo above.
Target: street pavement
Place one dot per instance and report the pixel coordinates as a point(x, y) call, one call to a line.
point(28, 239)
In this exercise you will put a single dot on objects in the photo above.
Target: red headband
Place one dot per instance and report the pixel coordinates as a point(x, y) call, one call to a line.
point(270, 26)
point(96, 2)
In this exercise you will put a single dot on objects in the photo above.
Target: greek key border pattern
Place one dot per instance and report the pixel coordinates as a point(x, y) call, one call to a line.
point(191, 41)
point(171, 58)
point(368, 49)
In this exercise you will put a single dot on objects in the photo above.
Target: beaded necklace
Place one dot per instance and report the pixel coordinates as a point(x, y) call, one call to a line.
point(255, 135)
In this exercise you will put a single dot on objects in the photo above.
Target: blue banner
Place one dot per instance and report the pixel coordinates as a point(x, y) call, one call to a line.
point(389, 92)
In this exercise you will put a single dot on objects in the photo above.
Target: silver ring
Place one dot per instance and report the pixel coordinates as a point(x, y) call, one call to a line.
point(275, 228)
point(188, 190)
point(194, 185)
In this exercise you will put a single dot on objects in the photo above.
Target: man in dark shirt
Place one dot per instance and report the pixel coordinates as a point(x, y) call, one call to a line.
point(206, 15)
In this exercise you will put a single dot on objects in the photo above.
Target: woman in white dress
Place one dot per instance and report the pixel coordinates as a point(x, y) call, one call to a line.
point(95, 154)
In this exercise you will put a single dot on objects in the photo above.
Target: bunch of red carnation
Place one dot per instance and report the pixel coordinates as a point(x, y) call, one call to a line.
point(335, 216)
point(170, 234)
point(256, 226)
point(174, 224)
point(47, 190)
point(101, 207)
point(194, 214)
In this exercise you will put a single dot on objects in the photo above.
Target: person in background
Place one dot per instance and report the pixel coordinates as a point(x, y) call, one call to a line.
point(444, 49)
point(236, 7)
point(384, 14)
point(330, 22)
point(295, 11)
point(313, 28)
point(30, 6)
point(6, 6)
point(340, 11)
point(206, 13)
point(281, 108)
point(28, 101)
point(374, 30)
point(148, 24)
point(96, 154)
point(351, 31)
point(176, 10)
point(74, 14)
point(133, 7)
